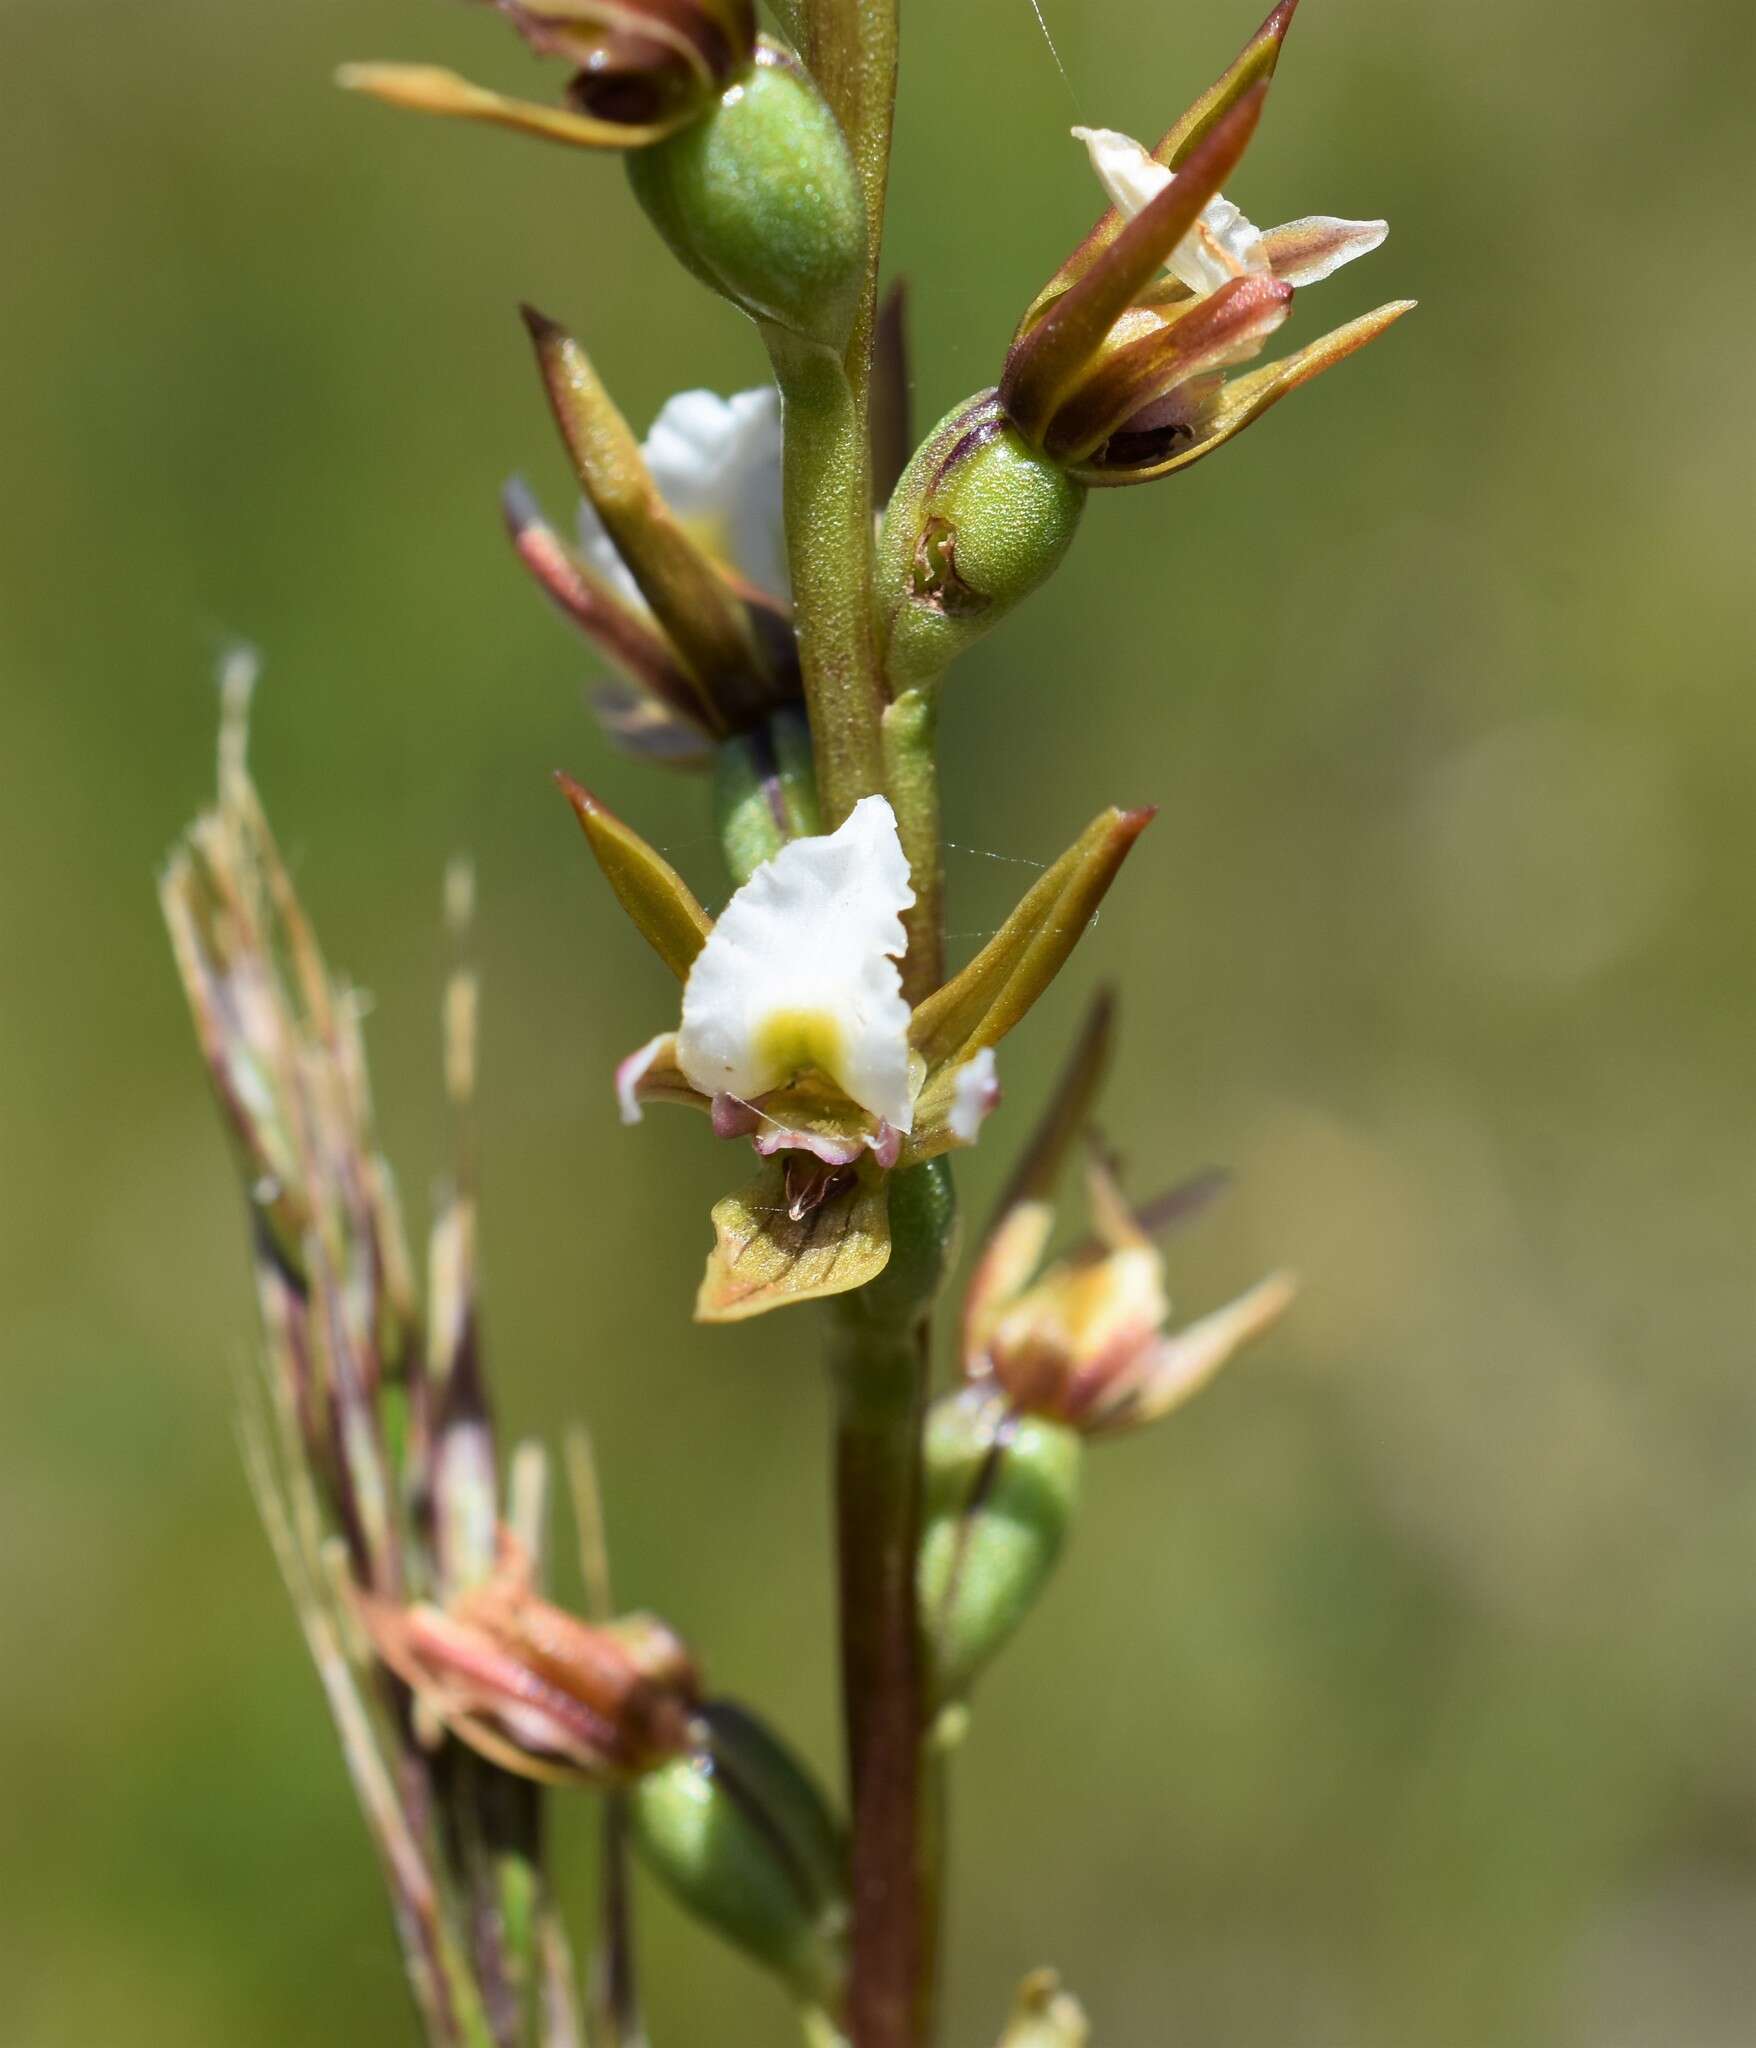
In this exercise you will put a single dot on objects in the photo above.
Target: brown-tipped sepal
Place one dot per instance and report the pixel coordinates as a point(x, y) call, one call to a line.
point(1195, 420)
point(1054, 348)
point(641, 70)
point(1254, 66)
point(660, 903)
point(977, 1007)
point(718, 651)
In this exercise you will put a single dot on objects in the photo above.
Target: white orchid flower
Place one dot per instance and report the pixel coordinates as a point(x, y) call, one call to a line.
point(800, 972)
point(794, 1027)
point(1224, 244)
point(716, 462)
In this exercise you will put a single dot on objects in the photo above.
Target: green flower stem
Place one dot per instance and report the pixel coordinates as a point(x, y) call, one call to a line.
point(879, 1362)
point(851, 48)
point(828, 477)
point(911, 777)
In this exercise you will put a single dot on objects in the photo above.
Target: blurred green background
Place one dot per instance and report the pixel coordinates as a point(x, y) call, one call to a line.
point(1398, 1695)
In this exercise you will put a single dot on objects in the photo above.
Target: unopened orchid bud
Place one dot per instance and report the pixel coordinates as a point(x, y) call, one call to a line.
point(978, 520)
point(1002, 1490)
point(765, 793)
point(761, 201)
point(741, 1833)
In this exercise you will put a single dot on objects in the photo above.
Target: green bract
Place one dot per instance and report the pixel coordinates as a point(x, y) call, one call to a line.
point(977, 522)
point(760, 200)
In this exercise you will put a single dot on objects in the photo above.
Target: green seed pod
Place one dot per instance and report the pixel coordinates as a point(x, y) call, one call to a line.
point(977, 522)
point(1002, 1489)
point(741, 1833)
point(761, 201)
point(764, 793)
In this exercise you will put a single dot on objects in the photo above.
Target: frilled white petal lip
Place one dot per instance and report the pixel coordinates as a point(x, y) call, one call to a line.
point(716, 462)
point(800, 971)
point(1223, 243)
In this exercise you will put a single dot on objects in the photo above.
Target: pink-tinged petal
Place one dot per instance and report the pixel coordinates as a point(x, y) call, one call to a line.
point(652, 1075)
point(1181, 1365)
point(770, 1138)
point(1307, 251)
point(975, 1095)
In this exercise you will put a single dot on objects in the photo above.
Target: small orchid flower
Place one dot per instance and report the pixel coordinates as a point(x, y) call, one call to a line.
point(1116, 373)
point(534, 1689)
point(1053, 1357)
point(1084, 1342)
point(794, 1029)
point(796, 1035)
point(680, 575)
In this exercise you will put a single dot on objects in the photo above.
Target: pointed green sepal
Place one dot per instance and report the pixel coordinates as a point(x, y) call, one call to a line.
point(688, 595)
point(1245, 399)
point(655, 896)
point(992, 994)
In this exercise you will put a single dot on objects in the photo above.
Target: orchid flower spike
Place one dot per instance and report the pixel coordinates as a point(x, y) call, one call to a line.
point(796, 1035)
point(1117, 371)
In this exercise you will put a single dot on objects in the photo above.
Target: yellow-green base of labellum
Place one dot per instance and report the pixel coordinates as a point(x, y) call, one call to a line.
point(977, 522)
point(761, 201)
point(742, 1836)
point(1002, 1491)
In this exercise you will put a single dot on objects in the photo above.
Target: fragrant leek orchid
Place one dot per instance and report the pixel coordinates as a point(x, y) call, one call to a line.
point(795, 1034)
